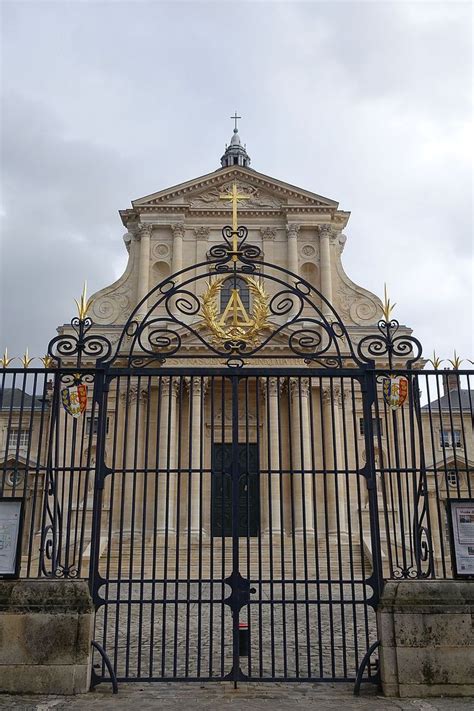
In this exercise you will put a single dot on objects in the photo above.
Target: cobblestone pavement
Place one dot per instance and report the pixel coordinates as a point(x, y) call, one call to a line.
point(214, 697)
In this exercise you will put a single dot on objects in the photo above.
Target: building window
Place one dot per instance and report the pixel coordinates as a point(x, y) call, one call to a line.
point(18, 438)
point(450, 438)
point(94, 422)
point(243, 289)
point(376, 426)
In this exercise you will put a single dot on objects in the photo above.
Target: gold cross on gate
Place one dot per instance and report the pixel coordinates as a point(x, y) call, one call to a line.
point(234, 197)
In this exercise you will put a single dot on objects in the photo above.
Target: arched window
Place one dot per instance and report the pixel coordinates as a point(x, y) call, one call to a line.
point(226, 292)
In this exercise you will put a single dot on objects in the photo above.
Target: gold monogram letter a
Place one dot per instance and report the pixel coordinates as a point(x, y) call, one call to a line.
point(233, 309)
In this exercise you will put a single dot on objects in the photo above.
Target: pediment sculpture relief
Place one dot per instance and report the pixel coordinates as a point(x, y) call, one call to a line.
point(256, 198)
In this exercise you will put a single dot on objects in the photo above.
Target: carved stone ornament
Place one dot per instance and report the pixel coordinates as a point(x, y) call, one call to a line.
point(201, 232)
point(178, 229)
point(334, 395)
point(310, 250)
point(299, 387)
point(160, 250)
point(144, 231)
point(256, 199)
point(110, 307)
point(268, 233)
point(292, 231)
point(325, 231)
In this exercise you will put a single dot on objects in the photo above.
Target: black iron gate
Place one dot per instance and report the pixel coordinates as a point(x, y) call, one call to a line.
point(232, 512)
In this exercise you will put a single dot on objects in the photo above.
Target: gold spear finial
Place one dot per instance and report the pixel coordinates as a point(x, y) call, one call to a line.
point(5, 360)
point(47, 361)
point(387, 306)
point(26, 360)
point(435, 361)
point(84, 304)
point(456, 361)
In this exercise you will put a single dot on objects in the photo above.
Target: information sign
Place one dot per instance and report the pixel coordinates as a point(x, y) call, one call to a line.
point(461, 523)
point(11, 510)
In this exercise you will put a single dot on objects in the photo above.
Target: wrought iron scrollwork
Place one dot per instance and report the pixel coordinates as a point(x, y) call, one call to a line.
point(386, 343)
point(81, 343)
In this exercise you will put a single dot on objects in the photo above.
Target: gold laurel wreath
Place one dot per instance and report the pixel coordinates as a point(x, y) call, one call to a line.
point(247, 334)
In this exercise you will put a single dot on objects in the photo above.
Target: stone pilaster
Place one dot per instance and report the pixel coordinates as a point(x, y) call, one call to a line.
point(302, 488)
point(178, 236)
point(271, 494)
point(326, 276)
point(197, 390)
point(143, 236)
point(166, 456)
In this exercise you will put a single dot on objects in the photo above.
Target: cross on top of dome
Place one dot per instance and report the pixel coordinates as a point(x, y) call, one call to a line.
point(235, 153)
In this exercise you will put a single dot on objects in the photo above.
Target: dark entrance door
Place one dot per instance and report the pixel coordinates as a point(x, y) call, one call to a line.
point(249, 491)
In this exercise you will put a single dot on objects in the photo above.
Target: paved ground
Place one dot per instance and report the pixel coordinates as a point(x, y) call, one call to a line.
point(214, 697)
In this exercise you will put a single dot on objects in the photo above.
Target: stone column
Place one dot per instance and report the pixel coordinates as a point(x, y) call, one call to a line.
point(292, 232)
point(197, 389)
point(326, 278)
point(167, 447)
point(301, 456)
point(271, 510)
point(334, 496)
point(177, 258)
point(143, 286)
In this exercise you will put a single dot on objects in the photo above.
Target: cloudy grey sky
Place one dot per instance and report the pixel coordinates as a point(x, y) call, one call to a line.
point(367, 103)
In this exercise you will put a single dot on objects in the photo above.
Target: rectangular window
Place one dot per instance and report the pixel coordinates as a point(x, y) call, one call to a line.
point(376, 426)
point(95, 425)
point(450, 438)
point(18, 437)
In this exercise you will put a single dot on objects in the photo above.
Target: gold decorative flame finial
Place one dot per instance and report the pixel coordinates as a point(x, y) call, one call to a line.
point(26, 360)
point(456, 361)
point(84, 304)
point(435, 361)
point(47, 361)
point(5, 360)
point(387, 306)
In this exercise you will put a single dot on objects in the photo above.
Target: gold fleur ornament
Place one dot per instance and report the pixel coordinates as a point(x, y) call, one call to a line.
point(387, 306)
point(5, 360)
point(47, 361)
point(435, 361)
point(26, 360)
point(456, 361)
point(84, 304)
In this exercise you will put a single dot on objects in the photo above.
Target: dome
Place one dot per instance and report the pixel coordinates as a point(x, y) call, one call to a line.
point(235, 140)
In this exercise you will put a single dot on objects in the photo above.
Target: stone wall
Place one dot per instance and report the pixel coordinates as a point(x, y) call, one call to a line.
point(45, 636)
point(426, 630)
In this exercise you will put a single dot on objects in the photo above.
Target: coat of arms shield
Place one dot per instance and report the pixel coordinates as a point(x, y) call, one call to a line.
point(395, 391)
point(74, 399)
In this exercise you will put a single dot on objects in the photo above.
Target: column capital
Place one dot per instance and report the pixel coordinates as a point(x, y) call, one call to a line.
point(272, 386)
point(325, 231)
point(268, 233)
point(143, 231)
point(178, 229)
point(197, 385)
point(201, 232)
point(299, 386)
point(292, 230)
point(335, 395)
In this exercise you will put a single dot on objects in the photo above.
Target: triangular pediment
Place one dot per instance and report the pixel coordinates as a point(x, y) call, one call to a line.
point(262, 191)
